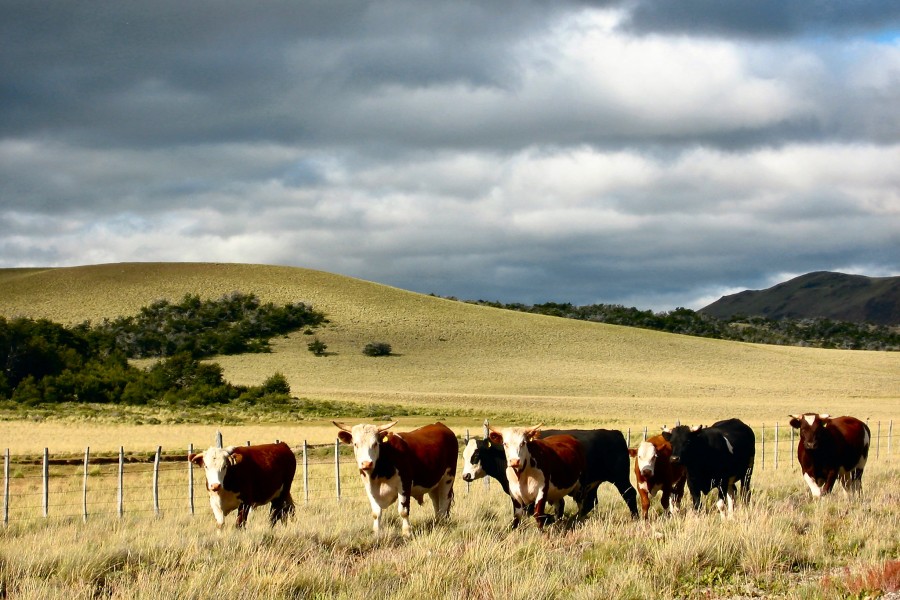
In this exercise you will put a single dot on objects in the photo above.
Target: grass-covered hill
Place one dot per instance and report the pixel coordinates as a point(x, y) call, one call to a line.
point(483, 361)
point(822, 294)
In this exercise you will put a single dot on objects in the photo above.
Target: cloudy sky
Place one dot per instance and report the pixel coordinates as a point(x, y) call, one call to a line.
point(645, 152)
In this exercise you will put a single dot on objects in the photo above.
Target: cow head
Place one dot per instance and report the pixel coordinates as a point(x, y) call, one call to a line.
point(366, 441)
point(812, 427)
point(472, 468)
point(684, 442)
point(215, 462)
point(515, 444)
point(646, 458)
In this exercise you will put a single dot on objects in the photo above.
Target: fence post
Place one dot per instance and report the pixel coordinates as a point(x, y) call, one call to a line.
point(645, 433)
point(763, 436)
point(337, 467)
point(156, 480)
point(878, 441)
point(191, 479)
point(776, 445)
point(6, 488)
point(46, 478)
point(84, 513)
point(218, 439)
point(121, 481)
point(890, 435)
point(305, 472)
point(792, 444)
point(629, 437)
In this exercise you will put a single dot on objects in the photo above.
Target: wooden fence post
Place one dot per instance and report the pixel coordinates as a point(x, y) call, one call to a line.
point(776, 445)
point(84, 512)
point(218, 439)
point(156, 480)
point(46, 478)
point(121, 481)
point(792, 443)
point(628, 439)
point(762, 435)
point(305, 472)
point(466, 441)
point(890, 435)
point(191, 479)
point(878, 441)
point(337, 467)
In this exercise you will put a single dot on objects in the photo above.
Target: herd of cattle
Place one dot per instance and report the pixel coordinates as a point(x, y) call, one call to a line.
point(536, 467)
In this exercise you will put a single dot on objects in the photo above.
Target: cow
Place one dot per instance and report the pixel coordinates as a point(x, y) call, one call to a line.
point(830, 449)
point(539, 470)
point(395, 467)
point(606, 458)
point(718, 457)
point(244, 477)
point(654, 472)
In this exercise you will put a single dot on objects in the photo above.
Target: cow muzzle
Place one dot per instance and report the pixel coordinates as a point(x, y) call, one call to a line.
point(675, 460)
point(647, 472)
point(215, 487)
point(468, 477)
point(366, 466)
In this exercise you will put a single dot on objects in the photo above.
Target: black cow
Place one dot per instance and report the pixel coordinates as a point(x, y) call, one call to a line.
point(718, 457)
point(607, 458)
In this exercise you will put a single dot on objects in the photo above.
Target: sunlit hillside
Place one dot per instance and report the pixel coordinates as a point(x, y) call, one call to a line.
point(450, 354)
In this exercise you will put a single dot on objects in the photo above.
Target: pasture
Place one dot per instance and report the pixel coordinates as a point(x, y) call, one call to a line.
point(460, 363)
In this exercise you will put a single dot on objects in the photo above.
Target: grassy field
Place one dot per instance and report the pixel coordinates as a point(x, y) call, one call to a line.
point(461, 363)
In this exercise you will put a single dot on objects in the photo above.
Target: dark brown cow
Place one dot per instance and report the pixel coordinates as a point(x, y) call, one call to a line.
point(654, 471)
point(830, 449)
point(243, 477)
point(400, 466)
point(539, 470)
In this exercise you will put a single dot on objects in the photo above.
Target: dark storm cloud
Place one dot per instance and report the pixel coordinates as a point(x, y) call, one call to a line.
point(645, 153)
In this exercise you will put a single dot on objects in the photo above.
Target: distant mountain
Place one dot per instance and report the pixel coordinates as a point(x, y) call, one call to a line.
point(837, 296)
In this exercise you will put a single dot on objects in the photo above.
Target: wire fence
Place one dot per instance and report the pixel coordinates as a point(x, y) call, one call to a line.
point(153, 485)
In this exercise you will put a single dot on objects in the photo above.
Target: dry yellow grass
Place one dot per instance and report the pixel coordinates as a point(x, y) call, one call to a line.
point(451, 355)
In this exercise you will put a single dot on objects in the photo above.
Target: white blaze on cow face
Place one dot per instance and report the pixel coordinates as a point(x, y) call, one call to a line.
point(215, 463)
point(472, 471)
point(646, 458)
point(366, 440)
point(515, 445)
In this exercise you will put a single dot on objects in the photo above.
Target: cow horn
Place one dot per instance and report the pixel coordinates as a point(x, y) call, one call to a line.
point(535, 428)
point(383, 428)
point(342, 427)
point(825, 416)
point(695, 428)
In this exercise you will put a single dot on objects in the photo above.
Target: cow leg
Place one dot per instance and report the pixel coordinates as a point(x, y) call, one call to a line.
point(813, 485)
point(829, 481)
point(442, 497)
point(216, 504)
point(665, 501)
point(518, 513)
point(628, 493)
point(643, 489)
point(243, 512)
point(282, 506)
point(376, 514)
point(696, 497)
point(403, 501)
point(587, 499)
point(745, 486)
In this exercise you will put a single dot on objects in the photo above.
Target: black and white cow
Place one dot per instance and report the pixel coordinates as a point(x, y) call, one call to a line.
point(718, 456)
point(607, 460)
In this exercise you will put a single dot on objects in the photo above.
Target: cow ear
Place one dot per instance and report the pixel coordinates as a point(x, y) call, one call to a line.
point(495, 436)
point(386, 436)
point(795, 421)
point(632, 452)
point(234, 459)
point(345, 437)
point(825, 417)
point(696, 428)
point(196, 458)
point(667, 434)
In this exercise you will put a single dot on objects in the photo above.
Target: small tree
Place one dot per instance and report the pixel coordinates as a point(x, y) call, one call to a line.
point(317, 347)
point(377, 349)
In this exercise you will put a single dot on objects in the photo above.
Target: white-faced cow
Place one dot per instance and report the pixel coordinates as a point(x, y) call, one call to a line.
point(244, 477)
point(655, 472)
point(395, 467)
point(606, 460)
point(538, 470)
point(717, 457)
point(830, 449)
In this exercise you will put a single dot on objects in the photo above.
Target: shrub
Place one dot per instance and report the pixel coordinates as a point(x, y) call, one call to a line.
point(317, 347)
point(377, 349)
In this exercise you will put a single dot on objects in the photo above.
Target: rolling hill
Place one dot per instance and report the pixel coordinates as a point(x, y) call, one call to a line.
point(836, 296)
point(454, 356)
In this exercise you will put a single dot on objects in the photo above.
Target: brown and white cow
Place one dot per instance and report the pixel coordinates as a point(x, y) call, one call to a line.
point(244, 477)
point(654, 472)
point(831, 449)
point(395, 467)
point(539, 470)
